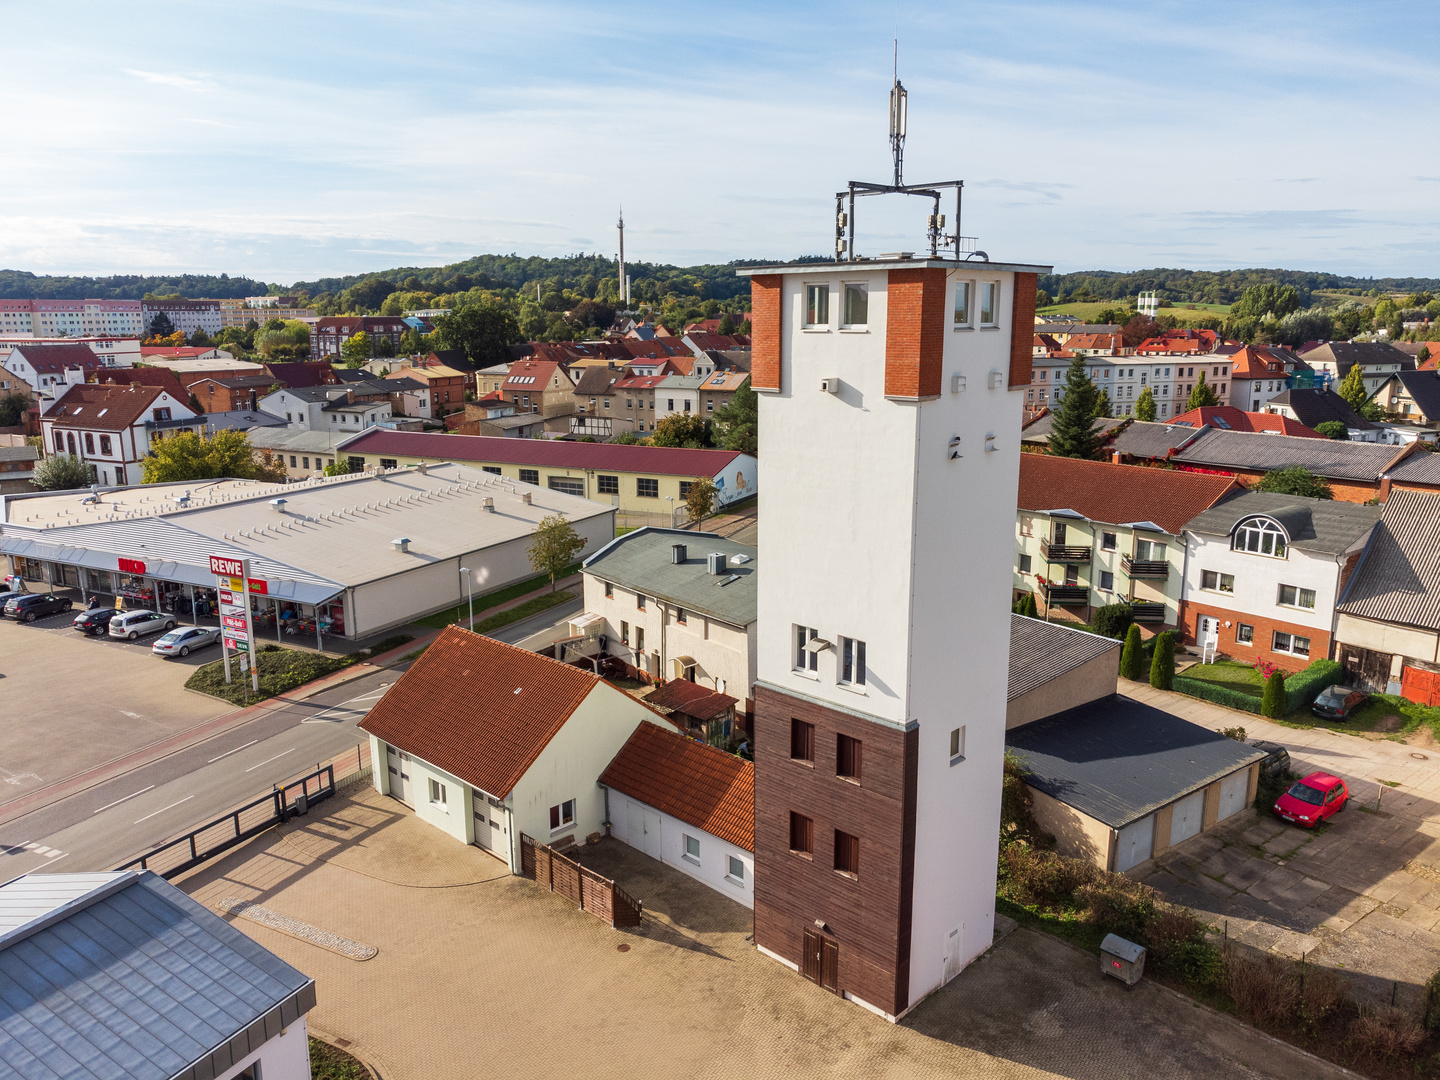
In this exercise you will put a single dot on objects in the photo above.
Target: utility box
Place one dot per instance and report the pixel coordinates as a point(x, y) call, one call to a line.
point(1121, 959)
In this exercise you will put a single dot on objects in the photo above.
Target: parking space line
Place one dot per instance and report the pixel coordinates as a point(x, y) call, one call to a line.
point(267, 761)
point(127, 798)
point(172, 806)
point(227, 753)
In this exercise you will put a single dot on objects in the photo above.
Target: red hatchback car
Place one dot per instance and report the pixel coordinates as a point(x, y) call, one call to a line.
point(1312, 800)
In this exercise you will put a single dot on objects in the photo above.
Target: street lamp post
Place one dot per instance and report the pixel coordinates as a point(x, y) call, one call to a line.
point(469, 596)
point(671, 500)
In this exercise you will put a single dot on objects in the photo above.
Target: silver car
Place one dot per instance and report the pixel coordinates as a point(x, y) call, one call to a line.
point(182, 640)
point(130, 625)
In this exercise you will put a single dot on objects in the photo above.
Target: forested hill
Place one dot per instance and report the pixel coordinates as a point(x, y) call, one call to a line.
point(589, 272)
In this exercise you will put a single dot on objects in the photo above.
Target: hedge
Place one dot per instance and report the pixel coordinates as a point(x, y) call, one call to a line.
point(1220, 695)
point(1302, 688)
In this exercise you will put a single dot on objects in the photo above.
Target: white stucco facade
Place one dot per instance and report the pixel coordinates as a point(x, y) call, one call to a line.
point(898, 526)
point(285, 1057)
point(663, 837)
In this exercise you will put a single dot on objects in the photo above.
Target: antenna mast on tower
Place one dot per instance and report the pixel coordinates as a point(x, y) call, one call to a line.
point(624, 292)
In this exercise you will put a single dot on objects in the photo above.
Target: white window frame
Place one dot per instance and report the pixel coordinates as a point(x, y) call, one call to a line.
point(1103, 575)
point(1241, 628)
point(735, 870)
point(852, 655)
point(803, 661)
point(1264, 531)
point(813, 290)
point(846, 323)
point(992, 323)
point(692, 857)
point(1297, 598)
point(1219, 586)
point(438, 795)
point(565, 822)
point(1289, 648)
point(964, 289)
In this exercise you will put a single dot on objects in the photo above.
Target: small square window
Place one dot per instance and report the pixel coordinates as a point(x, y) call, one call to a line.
point(680, 616)
point(607, 485)
point(639, 601)
point(1245, 634)
point(737, 870)
point(563, 815)
point(437, 794)
point(847, 757)
point(1107, 581)
point(685, 486)
point(847, 854)
point(852, 661)
point(806, 659)
point(802, 741)
point(957, 745)
point(647, 487)
point(1216, 582)
point(817, 305)
point(1025, 563)
point(1107, 541)
point(692, 849)
point(609, 591)
point(530, 476)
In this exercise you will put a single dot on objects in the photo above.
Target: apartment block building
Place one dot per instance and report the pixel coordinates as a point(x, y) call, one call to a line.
point(328, 335)
point(71, 318)
point(186, 316)
point(237, 311)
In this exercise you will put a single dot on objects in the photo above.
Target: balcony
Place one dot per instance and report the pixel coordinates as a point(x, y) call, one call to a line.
point(1147, 612)
point(1140, 569)
point(1063, 553)
point(1067, 595)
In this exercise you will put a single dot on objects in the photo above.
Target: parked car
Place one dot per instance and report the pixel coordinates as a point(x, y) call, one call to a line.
point(185, 639)
point(32, 606)
point(95, 621)
point(1314, 799)
point(133, 624)
point(1338, 702)
point(9, 592)
point(1277, 758)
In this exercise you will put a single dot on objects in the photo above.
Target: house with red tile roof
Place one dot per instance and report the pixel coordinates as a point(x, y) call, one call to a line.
point(145, 376)
point(1090, 534)
point(49, 368)
point(1259, 373)
point(689, 805)
point(111, 427)
point(1179, 342)
point(1229, 418)
point(488, 742)
point(539, 386)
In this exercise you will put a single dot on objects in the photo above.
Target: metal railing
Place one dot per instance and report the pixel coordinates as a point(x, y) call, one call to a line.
point(1137, 568)
point(1147, 611)
point(191, 849)
point(1063, 553)
point(1066, 595)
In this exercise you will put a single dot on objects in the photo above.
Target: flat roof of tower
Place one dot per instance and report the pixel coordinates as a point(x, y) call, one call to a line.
point(890, 262)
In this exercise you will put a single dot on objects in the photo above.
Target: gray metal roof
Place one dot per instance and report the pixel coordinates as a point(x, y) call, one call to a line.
point(1323, 526)
point(1316, 406)
point(1398, 579)
point(286, 438)
point(1421, 468)
point(1038, 430)
point(1143, 439)
point(1042, 651)
point(124, 976)
point(640, 561)
point(1263, 452)
point(1117, 759)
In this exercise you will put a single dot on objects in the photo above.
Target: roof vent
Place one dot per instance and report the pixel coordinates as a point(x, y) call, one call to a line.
point(420, 468)
point(716, 562)
point(677, 553)
point(401, 544)
point(527, 499)
point(489, 504)
point(278, 505)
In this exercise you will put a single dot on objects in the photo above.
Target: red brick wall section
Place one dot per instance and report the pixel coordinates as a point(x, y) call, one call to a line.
point(914, 333)
point(1351, 491)
point(1264, 636)
point(1022, 329)
point(765, 330)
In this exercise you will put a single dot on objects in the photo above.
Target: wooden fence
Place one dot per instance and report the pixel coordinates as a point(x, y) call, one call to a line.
point(583, 887)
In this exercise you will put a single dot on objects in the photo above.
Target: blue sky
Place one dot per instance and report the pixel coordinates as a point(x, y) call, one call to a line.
point(292, 140)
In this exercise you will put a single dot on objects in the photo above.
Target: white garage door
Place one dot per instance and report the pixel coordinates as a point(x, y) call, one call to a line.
point(489, 817)
point(644, 829)
point(1233, 790)
point(1136, 842)
point(1185, 819)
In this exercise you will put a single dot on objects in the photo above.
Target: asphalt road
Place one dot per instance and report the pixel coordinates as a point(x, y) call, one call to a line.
point(101, 827)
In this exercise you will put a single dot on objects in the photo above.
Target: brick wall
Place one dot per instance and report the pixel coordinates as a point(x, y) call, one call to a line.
point(1264, 636)
point(1022, 329)
point(765, 330)
point(914, 333)
point(1351, 491)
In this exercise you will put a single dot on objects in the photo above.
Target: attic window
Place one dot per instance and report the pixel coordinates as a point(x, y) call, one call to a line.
point(1261, 537)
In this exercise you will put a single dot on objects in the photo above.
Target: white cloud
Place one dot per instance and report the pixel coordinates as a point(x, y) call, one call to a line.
point(162, 78)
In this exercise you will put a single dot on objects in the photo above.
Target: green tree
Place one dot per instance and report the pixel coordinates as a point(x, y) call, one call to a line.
point(12, 409)
point(1145, 405)
point(384, 346)
point(682, 429)
point(200, 339)
point(484, 331)
point(700, 501)
point(1073, 433)
point(189, 456)
point(1162, 666)
point(357, 350)
point(1265, 299)
point(366, 295)
point(1272, 702)
point(739, 420)
point(626, 438)
point(1296, 480)
point(1334, 429)
point(1132, 656)
point(727, 326)
point(1352, 388)
point(62, 472)
point(555, 546)
point(161, 326)
point(339, 467)
point(1028, 607)
point(409, 342)
point(1203, 396)
point(1103, 407)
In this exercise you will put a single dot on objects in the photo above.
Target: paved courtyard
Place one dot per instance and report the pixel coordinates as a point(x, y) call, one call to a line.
point(480, 973)
point(1360, 894)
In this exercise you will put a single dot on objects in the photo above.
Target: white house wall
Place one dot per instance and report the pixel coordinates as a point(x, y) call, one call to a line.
point(1386, 638)
point(285, 1057)
point(1257, 581)
point(712, 867)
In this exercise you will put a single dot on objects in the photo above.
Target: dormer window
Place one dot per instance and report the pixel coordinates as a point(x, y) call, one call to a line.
point(1261, 537)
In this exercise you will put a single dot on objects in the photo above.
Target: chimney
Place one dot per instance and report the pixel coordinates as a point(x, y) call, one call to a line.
point(1115, 457)
point(527, 499)
point(401, 544)
point(1384, 493)
point(677, 553)
point(717, 563)
point(254, 401)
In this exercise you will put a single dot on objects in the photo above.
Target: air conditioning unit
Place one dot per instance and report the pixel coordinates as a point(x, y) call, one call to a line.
point(717, 563)
point(830, 386)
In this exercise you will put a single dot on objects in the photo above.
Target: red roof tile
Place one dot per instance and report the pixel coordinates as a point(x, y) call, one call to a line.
point(1117, 494)
point(692, 699)
point(698, 784)
point(164, 378)
point(1229, 418)
point(57, 358)
point(458, 708)
point(104, 407)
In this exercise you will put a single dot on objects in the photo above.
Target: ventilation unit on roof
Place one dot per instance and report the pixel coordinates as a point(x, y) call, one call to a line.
point(401, 544)
point(489, 504)
point(527, 499)
point(677, 553)
point(716, 563)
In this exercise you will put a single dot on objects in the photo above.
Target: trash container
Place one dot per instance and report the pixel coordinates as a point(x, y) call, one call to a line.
point(1121, 959)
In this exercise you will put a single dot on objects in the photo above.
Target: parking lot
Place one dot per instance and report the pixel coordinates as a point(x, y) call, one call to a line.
point(1360, 894)
point(76, 702)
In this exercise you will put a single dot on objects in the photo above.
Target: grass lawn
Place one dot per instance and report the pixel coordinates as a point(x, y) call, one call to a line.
point(543, 602)
point(1236, 676)
point(1393, 716)
point(1183, 312)
point(281, 670)
point(461, 612)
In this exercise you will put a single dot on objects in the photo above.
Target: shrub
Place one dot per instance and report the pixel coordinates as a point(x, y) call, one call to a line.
point(1029, 607)
point(1322, 991)
point(1044, 878)
point(1236, 733)
point(1386, 1033)
point(1116, 904)
point(1132, 657)
point(1175, 941)
point(1162, 667)
point(1113, 620)
point(1016, 822)
point(1333, 429)
point(1263, 988)
point(1302, 688)
point(1272, 703)
point(1221, 695)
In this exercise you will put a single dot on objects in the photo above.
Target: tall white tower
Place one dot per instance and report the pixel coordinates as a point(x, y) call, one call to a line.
point(890, 411)
point(624, 282)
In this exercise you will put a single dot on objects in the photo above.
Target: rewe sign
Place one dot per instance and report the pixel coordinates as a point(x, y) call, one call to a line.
point(232, 583)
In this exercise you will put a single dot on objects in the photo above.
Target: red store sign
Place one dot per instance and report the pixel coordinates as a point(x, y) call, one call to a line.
point(132, 566)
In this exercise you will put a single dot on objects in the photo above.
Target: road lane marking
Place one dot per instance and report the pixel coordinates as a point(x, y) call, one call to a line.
point(227, 753)
point(324, 715)
point(267, 761)
point(172, 806)
point(127, 798)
